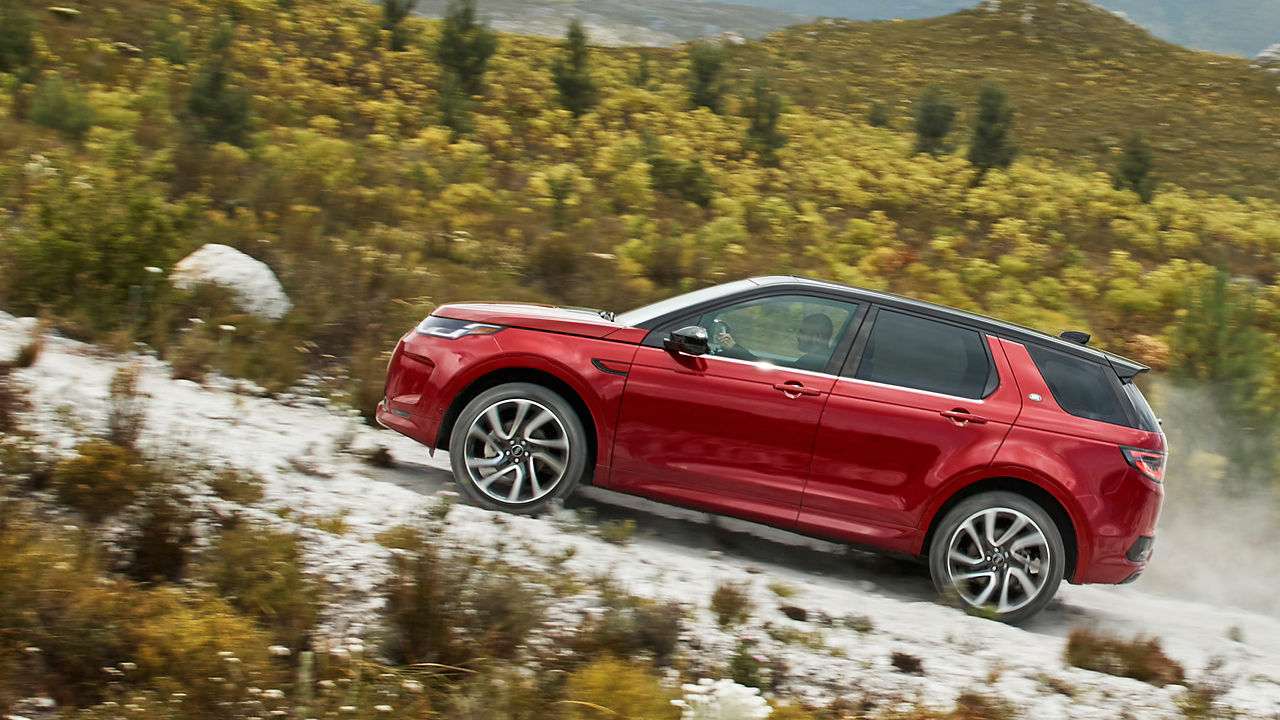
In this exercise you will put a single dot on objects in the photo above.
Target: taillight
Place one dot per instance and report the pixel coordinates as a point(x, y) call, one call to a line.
point(1147, 462)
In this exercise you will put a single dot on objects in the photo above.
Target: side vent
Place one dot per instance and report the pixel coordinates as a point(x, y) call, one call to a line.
point(1075, 336)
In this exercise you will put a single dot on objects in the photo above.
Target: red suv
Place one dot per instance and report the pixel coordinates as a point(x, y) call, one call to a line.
point(1009, 458)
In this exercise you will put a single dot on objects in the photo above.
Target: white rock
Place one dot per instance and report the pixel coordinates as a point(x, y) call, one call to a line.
point(255, 289)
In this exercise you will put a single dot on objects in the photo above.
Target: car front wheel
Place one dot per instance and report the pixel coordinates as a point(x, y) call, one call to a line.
point(518, 447)
point(998, 553)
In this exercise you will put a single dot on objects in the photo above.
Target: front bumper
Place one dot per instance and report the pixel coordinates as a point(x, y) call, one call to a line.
point(405, 424)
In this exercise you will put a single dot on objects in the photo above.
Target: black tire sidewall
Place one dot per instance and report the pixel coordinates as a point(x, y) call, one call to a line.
point(550, 399)
point(938, 548)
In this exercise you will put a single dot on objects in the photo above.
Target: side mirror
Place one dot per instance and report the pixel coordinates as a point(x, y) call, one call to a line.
point(690, 340)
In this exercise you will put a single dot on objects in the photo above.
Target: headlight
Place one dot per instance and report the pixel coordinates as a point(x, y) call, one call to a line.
point(452, 329)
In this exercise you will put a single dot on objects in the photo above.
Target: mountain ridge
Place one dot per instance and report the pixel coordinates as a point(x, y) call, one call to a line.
point(1235, 27)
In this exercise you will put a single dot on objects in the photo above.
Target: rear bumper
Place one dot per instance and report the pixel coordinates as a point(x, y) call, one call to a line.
point(1124, 532)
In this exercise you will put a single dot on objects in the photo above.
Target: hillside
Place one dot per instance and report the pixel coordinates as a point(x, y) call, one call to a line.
point(139, 131)
point(1237, 27)
point(1234, 27)
point(627, 22)
point(829, 633)
point(1080, 77)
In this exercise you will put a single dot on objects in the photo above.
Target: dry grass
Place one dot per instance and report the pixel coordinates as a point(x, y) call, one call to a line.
point(1139, 658)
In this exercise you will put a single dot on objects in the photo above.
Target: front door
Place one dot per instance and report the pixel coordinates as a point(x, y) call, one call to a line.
point(732, 430)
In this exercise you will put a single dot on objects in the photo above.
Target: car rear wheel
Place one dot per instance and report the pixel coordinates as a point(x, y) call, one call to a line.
point(518, 447)
point(1000, 554)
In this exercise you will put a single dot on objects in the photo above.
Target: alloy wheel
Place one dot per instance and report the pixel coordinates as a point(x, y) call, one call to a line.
point(516, 451)
point(998, 557)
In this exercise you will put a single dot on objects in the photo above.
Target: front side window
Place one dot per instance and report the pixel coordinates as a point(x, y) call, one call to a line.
point(924, 354)
point(791, 330)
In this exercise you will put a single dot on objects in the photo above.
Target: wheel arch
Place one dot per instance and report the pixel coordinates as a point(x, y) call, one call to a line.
point(1019, 486)
point(534, 376)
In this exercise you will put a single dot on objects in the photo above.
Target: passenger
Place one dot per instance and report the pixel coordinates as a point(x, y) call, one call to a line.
point(813, 338)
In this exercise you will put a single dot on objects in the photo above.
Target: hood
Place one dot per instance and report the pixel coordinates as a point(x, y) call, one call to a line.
point(534, 317)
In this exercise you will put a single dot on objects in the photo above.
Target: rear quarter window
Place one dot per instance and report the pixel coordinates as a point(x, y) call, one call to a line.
point(1083, 388)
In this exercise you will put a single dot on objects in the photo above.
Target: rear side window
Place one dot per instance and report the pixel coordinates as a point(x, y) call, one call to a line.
point(1083, 388)
point(924, 354)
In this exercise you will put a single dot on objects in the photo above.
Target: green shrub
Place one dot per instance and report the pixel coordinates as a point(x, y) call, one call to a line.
point(629, 627)
point(747, 666)
point(453, 609)
point(618, 532)
point(259, 571)
point(161, 539)
point(100, 479)
point(1139, 658)
point(731, 603)
point(61, 105)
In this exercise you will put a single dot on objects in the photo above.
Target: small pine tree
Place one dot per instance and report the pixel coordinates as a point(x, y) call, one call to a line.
point(934, 118)
point(220, 110)
point(762, 109)
point(465, 46)
point(992, 145)
point(878, 115)
point(393, 14)
point(706, 88)
point(572, 73)
point(16, 45)
point(1133, 169)
point(641, 75)
point(455, 107)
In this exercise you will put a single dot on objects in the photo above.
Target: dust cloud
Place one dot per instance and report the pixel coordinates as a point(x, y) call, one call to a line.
point(1218, 539)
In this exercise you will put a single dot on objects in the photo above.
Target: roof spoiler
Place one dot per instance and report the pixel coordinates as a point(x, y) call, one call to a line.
point(1124, 367)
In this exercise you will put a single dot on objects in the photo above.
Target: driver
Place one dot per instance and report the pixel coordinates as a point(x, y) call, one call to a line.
point(813, 338)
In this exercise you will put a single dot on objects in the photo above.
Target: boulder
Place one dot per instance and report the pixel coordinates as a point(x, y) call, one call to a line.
point(254, 288)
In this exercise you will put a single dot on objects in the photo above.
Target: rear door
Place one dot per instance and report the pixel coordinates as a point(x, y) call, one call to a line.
point(920, 403)
point(733, 430)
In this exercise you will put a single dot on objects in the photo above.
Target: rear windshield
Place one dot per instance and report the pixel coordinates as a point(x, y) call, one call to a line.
point(1086, 389)
point(1147, 419)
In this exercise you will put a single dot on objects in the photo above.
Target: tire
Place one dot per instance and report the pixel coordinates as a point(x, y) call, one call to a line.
point(518, 447)
point(1008, 570)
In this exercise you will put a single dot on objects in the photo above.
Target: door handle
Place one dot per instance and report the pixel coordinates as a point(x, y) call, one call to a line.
point(961, 416)
point(795, 389)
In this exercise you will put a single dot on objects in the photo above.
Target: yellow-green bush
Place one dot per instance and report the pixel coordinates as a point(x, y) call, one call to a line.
point(259, 571)
point(610, 688)
point(101, 478)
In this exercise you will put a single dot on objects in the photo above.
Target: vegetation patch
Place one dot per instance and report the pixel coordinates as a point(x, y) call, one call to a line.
point(1138, 658)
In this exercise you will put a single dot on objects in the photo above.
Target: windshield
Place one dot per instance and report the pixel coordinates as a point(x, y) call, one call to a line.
point(652, 311)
